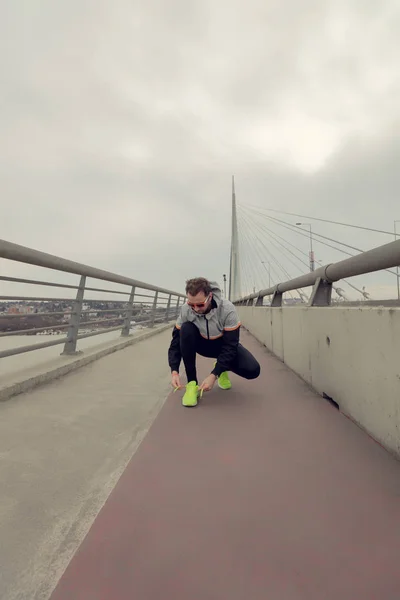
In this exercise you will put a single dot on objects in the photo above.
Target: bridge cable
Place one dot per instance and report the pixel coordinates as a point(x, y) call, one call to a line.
point(251, 244)
point(260, 229)
point(305, 254)
point(324, 220)
point(250, 265)
point(245, 266)
point(315, 235)
point(285, 272)
point(252, 272)
point(286, 275)
point(303, 262)
point(250, 241)
point(271, 233)
point(278, 237)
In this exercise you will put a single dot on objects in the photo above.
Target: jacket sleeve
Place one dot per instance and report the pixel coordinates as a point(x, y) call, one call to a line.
point(174, 351)
point(230, 342)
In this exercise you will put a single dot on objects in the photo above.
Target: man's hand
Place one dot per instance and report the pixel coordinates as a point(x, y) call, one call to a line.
point(208, 383)
point(175, 380)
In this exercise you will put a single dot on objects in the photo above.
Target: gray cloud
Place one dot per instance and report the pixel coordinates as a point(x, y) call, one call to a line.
point(121, 126)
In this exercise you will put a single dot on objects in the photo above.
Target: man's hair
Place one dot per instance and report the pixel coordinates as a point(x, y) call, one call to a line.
point(197, 285)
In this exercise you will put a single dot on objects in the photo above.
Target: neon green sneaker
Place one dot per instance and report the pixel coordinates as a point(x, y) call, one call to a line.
point(223, 380)
point(191, 394)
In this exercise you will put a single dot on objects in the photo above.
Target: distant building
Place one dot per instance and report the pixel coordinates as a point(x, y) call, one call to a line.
point(20, 309)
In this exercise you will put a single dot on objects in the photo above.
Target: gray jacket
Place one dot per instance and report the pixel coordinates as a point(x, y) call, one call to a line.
point(213, 324)
point(221, 322)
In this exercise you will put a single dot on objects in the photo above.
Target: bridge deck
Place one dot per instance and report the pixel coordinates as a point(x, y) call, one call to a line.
point(262, 492)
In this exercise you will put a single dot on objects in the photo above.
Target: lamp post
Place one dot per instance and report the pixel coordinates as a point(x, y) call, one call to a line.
point(312, 262)
point(397, 268)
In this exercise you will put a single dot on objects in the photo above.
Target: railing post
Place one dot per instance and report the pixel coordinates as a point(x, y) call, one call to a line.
point(168, 307)
point(177, 307)
point(321, 294)
point(277, 299)
point(153, 310)
point(128, 315)
point(259, 301)
point(73, 329)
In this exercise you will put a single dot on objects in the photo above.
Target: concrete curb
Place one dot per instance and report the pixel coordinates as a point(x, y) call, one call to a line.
point(81, 360)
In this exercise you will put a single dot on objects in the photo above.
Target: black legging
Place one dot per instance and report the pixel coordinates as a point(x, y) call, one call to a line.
point(192, 343)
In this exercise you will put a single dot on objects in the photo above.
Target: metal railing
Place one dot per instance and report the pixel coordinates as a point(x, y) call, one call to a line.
point(161, 305)
point(383, 257)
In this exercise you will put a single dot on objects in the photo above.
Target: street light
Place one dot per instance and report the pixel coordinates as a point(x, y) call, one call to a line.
point(397, 268)
point(312, 262)
point(264, 262)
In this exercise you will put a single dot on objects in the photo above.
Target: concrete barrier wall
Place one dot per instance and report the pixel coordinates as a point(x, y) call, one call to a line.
point(350, 354)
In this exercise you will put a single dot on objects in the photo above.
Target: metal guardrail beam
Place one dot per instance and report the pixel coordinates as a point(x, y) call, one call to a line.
point(383, 257)
point(151, 299)
point(18, 253)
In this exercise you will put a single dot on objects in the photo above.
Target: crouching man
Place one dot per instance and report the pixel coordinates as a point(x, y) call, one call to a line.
point(208, 325)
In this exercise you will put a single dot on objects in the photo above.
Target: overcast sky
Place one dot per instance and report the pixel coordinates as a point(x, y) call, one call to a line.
point(121, 124)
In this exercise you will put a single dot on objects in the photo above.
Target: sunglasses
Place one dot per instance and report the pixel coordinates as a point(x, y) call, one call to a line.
point(199, 304)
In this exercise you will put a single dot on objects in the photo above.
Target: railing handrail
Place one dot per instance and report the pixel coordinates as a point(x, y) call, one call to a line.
point(377, 259)
point(157, 299)
point(23, 254)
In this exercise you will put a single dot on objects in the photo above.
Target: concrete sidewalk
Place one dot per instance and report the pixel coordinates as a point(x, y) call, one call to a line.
point(63, 447)
point(262, 492)
point(24, 372)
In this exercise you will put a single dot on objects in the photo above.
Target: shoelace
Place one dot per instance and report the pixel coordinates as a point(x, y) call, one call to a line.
point(201, 391)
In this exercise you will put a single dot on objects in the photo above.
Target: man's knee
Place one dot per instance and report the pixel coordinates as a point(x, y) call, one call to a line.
point(254, 370)
point(247, 365)
point(188, 330)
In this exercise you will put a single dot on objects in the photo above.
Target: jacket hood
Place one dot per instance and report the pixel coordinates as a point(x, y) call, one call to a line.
point(216, 290)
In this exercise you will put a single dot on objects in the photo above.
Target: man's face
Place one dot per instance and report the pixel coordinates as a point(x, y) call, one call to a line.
point(199, 303)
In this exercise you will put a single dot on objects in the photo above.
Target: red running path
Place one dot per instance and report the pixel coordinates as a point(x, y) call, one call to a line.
point(265, 492)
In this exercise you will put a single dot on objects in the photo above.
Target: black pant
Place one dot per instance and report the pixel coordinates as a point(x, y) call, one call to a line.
point(192, 343)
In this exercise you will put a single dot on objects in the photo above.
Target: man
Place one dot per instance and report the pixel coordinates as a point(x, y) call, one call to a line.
point(208, 325)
